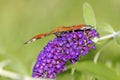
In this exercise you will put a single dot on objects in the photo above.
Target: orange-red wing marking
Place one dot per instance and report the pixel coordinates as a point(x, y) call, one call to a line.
point(58, 30)
point(39, 36)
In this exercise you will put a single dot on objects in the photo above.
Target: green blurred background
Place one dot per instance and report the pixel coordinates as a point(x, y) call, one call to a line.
point(22, 19)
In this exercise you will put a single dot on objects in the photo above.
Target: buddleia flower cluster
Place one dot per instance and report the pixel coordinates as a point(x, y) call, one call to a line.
point(69, 46)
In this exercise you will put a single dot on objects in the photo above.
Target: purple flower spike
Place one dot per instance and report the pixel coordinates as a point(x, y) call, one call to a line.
point(68, 46)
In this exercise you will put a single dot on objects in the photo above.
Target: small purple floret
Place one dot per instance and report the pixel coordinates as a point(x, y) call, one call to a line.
point(69, 46)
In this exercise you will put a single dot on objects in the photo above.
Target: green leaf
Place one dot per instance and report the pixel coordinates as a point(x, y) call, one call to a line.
point(15, 64)
point(66, 75)
point(89, 15)
point(96, 69)
point(105, 27)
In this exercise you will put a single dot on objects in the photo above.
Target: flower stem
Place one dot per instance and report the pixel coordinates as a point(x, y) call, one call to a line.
point(103, 38)
point(107, 36)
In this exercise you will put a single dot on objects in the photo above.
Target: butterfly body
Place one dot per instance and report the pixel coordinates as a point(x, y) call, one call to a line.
point(59, 30)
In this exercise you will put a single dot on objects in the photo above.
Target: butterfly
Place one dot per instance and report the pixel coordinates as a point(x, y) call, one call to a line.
point(60, 30)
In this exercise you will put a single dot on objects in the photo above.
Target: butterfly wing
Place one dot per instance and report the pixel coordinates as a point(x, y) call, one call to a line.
point(39, 36)
point(58, 30)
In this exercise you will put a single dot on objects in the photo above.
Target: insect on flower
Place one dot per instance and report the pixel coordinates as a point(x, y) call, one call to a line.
point(70, 43)
point(59, 30)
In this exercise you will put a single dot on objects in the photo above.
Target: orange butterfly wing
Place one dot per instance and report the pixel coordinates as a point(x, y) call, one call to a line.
point(58, 30)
